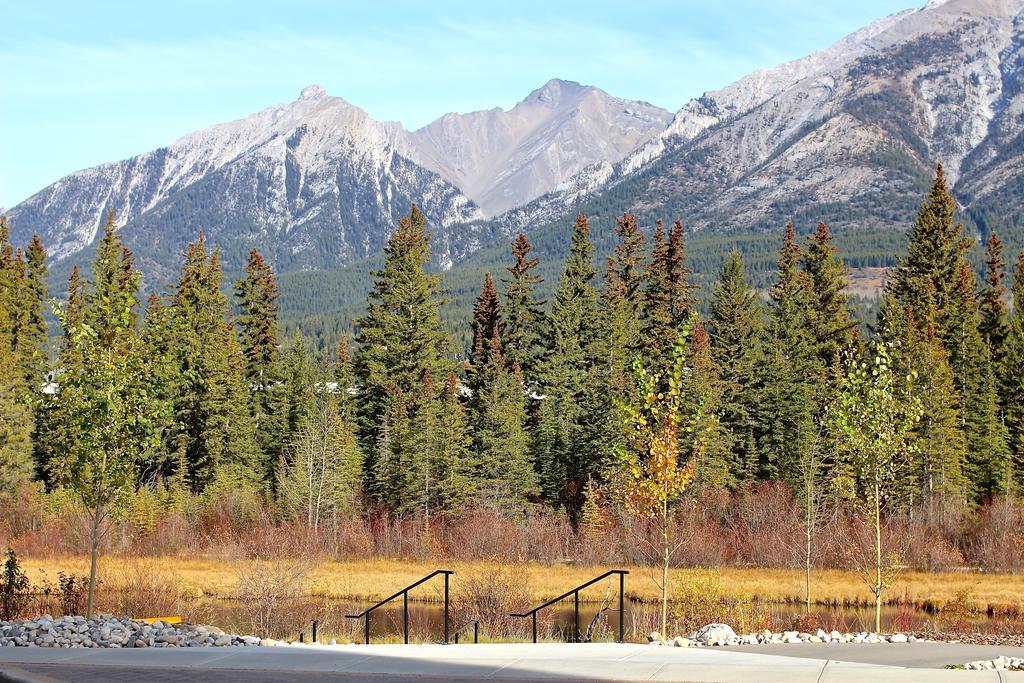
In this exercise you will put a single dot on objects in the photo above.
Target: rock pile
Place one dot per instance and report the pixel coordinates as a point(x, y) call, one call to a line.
point(1008, 663)
point(109, 631)
point(723, 635)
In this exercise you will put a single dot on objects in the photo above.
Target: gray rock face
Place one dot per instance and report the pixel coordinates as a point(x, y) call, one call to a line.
point(859, 125)
point(504, 159)
point(314, 183)
point(317, 183)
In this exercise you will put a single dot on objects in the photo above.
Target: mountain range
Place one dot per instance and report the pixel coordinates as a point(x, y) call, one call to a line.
point(849, 135)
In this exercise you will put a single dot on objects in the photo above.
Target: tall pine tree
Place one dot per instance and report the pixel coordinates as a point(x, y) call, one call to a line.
point(571, 331)
point(524, 317)
point(736, 328)
point(400, 339)
point(211, 403)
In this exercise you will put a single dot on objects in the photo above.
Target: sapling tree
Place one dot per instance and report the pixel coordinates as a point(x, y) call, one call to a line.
point(874, 419)
point(659, 457)
point(105, 405)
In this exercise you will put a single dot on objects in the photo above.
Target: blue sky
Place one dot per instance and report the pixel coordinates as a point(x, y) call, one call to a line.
point(88, 82)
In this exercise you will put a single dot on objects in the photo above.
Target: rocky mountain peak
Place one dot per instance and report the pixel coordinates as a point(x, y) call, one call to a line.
point(556, 92)
point(312, 92)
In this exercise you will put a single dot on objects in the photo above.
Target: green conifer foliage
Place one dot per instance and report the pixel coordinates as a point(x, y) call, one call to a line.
point(344, 378)
point(832, 325)
point(400, 338)
point(991, 302)
point(211, 403)
point(715, 466)
point(1013, 378)
point(736, 328)
point(669, 298)
point(33, 340)
point(457, 481)
point(15, 412)
point(257, 296)
point(487, 324)
point(524, 318)
point(792, 367)
point(937, 275)
point(504, 469)
point(572, 329)
point(940, 449)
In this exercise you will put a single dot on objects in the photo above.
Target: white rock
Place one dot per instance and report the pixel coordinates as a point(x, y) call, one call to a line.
point(898, 638)
point(715, 632)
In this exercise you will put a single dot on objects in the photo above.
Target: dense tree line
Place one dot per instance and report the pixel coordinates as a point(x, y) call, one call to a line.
point(200, 393)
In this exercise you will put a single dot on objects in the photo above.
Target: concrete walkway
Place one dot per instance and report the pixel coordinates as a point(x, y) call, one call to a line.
point(549, 661)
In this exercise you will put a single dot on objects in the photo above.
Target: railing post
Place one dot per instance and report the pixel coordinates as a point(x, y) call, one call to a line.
point(535, 627)
point(622, 608)
point(405, 616)
point(367, 625)
point(446, 609)
point(576, 617)
point(316, 623)
point(476, 632)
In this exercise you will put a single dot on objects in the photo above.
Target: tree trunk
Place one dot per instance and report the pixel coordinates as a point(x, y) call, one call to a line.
point(808, 538)
point(807, 566)
point(878, 561)
point(92, 562)
point(664, 569)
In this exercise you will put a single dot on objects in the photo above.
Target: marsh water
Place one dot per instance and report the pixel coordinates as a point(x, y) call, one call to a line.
point(557, 622)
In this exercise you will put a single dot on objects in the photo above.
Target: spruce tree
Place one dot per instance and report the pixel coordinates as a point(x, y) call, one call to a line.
point(619, 340)
point(212, 400)
point(940, 449)
point(570, 332)
point(457, 481)
point(257, 296)
point(297, 389)
point(791, 369)
point(47, 432)
point(487, 323)
point(111, 301)
point(714, 466)
point(344, 378)
point(419, 477)
point(832, 325)
point(669, 298)
point(504, 470)
point(736, 328)
point(33, 343)
point(159, 346)
point(524, 317)
point(1013, 378)
point(15, 413)
point(400, 339)
point(991, 302)
point(937, 273)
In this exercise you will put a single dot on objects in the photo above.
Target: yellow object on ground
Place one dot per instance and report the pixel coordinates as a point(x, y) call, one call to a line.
point(166, 620)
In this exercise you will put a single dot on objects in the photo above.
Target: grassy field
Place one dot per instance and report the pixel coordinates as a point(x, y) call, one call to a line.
point(376, 579)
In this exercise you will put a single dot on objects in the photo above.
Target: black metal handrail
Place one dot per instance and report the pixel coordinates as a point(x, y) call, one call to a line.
point(475, 623)
point(576, 610)
point(405, 606)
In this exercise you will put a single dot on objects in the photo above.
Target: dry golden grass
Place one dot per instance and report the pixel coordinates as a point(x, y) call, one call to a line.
point(376, 579)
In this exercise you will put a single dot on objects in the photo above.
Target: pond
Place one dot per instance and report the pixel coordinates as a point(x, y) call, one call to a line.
point(556, 622)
